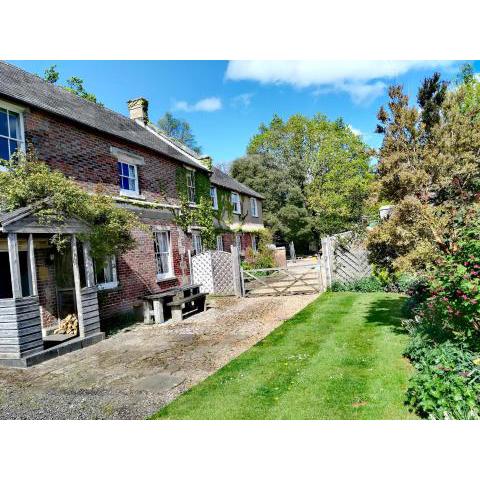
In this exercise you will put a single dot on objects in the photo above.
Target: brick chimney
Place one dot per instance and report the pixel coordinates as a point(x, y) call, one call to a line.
point(138, 109)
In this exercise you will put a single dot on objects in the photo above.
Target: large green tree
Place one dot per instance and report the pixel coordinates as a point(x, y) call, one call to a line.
point(179, 130)
point(429, 169)
point(314, 174)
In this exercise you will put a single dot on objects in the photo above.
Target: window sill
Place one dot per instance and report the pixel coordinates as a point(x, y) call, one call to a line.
point(128, 194)
point(107, 286)
point(164, 278)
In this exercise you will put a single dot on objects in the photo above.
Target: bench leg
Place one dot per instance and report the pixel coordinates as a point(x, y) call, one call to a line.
point(147, 317)
point(177, 313)
point(201, 304)
point(158, 311)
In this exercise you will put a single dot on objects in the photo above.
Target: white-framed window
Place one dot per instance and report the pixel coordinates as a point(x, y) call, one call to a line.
point(191, 186)
point(12, 134)
point(163, 255)
point(238, 241)
point(196, 243)
point(235, 199)
point(128, 177)
point(254, 206)
point(254, 243)
point(106, 274)
point(213, 195)
point(220, 243)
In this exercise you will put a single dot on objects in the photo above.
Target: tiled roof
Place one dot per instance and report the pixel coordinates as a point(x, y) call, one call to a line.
point(18, 85)
point(223, 180)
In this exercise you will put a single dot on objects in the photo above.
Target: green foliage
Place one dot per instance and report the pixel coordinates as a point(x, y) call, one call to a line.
point(369, 284)
point(75, 84)
point(28, 181)
point(51, 74)
point(447, 382)
point(429, 169)
point(454, 285)
point(201, 214)
point(264, 257)
point(178, 129)
point(314, 174)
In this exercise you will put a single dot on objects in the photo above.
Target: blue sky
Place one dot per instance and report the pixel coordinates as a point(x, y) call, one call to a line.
point(226, 101)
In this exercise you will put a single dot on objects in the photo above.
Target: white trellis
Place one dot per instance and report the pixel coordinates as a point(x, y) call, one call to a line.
point(213, 269)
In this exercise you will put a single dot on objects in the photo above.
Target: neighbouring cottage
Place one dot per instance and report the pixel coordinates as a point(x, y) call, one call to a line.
point(129, 159)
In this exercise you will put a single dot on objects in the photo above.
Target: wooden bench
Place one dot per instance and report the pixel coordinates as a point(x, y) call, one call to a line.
point(153, 304)
point(178, 305)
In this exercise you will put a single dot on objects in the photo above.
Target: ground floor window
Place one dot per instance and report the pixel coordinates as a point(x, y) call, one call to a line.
point(106, 274)
point(163, 254)
point(220, 243)
point(196, 243)
point(238, 241)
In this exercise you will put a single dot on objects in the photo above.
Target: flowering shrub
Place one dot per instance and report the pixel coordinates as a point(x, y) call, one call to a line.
point(454, 288)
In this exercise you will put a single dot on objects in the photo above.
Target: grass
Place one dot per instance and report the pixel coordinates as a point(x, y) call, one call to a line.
point(339, 358)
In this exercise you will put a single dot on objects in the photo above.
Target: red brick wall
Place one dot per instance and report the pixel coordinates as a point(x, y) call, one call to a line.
point(84, 155)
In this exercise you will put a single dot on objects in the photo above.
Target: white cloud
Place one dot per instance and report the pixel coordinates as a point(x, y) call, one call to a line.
point(242, 100)
point(356, 131)
point(360, 79)
point(210, 104)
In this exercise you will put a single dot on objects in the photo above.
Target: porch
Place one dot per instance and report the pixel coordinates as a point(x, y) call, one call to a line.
point(39, 287)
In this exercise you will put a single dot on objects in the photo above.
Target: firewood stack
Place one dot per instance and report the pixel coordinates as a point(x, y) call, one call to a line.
point(69, 325)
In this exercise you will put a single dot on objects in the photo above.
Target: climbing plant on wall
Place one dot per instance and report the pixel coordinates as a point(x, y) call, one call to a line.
point(199, 215)
point(28, 181)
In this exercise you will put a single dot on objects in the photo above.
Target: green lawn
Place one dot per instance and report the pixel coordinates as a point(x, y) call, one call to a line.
point(339, 358)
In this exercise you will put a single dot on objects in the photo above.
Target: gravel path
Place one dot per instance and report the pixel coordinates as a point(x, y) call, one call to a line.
point(135, 372)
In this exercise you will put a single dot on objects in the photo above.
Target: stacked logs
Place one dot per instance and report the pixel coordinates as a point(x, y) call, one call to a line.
point(69, 325)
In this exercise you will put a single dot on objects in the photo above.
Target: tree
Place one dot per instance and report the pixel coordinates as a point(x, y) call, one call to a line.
point(429, 169)
point(179, 130)
point(51, 74)
point(314, 174)
point(75, 84)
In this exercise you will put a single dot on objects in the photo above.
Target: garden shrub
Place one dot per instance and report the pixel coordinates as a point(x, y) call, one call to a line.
point(364, 285)
point(447, 382)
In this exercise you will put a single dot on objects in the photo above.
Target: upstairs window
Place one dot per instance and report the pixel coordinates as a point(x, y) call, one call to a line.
point(128, 176)
point(191, 186)
point(254, 207)
point(11, 133)
point(163, 255)
point(213, 195)
point(235, 199)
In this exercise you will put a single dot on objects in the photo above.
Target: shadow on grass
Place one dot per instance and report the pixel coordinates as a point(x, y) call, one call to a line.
point(387, 312)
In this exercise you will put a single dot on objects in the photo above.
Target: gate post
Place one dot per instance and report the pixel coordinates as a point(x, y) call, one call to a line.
point(237, 273)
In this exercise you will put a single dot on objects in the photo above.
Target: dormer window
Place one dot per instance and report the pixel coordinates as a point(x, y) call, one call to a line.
point(235, 199)
point(12, 137)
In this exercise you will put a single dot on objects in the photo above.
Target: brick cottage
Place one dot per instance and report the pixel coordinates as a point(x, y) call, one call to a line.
point(127, 158)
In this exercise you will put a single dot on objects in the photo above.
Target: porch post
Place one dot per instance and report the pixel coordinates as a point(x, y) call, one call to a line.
point(14, 265)
point(78, 291)
point(32, 270)
point(89, 276)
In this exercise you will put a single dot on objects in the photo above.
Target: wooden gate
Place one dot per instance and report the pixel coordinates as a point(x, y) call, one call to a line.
point(294, 280)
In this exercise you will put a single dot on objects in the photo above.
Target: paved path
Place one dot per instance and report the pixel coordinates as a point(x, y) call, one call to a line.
point(135, 372)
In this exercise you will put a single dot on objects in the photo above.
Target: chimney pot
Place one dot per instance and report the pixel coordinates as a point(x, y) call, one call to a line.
point(138, 109)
